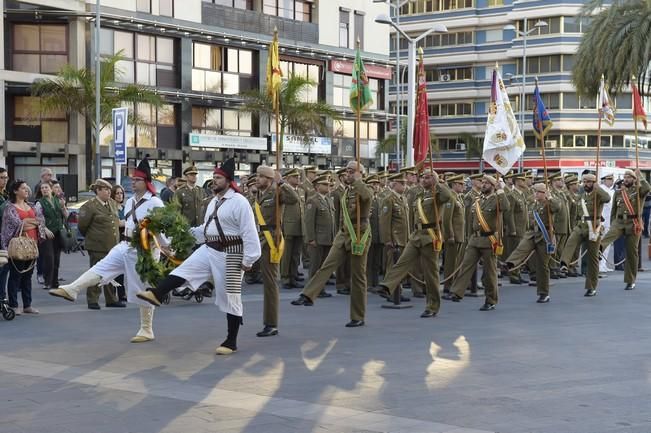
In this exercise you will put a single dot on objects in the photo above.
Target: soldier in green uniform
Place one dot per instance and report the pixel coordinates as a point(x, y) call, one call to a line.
point(343, 271)
point(293, 233)
point(394, 230)
point(424, 244)
point(626, 220)
point(99, 223)
point(253, 275)
point(414, 189)
point(347, 247)
point(265, 212)
point(538, 238)
point(519, 221)
point(190, 197)
point(473, 194)
point(453, 230)
point(590, 199)
point(483, 243)
point(308, 186)
point(561, 223)
point(572, 197)
point(319, 226)
point(374, 265)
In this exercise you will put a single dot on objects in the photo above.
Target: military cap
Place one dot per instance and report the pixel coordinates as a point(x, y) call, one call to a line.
point(448, 173)
point(509, 175)
point(190, 170)
point(321, 180)
point(569, 180)
point(341, 171)
point(353, 164)
point(251, 180)
point(309, 168)
point(372, 179)
point(589, 177)
point(630, 173)
point(529, 174)
point(408, 170)
point(266, 171)
point(607, 176)
point(291, 172)
point(180, 180)
point(384, 175)
point(540, 187)
point(455, 179)
point(519, 176)
point(476, 176)
point(538, 179)
point(324, 173)
point(491, 179)
point(555, 176)
point(100, 183)
point(397, 177)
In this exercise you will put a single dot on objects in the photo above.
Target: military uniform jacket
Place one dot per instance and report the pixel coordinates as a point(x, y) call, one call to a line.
point(307, 189)
point(191, 200)
point(562, 217)
point(267, 201)
point(518, 213)
point(489, 206)
point(619, 212)
point(356, 189)
point(412, 194)
point(336, 200)
point(293, 215)
point(468, 200)
point(420, 235)
point(572, 200)
point(374, 218)
point(454, 226)
point(320, 220)
point(544, 209)
point(394, 220)
point(99, 224)
point(601, 196)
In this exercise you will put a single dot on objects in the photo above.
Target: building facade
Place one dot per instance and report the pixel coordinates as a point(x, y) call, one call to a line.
point(200, 56)
point(459, 68)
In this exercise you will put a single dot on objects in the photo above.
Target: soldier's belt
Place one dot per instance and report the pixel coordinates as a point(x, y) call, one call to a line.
point(230, 244)
point(267, 227)
point(420, 226)
point(483, 234)
point(589, 218)
point(624, 217)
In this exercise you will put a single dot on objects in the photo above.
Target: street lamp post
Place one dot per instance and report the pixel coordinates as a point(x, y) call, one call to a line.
point(411, 70)
point(396, 12)
point(523, 35)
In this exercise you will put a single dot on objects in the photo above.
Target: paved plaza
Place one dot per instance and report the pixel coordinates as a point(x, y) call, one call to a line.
point(574, 365)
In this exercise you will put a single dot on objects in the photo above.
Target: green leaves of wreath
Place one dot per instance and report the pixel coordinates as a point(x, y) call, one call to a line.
point(169, 221)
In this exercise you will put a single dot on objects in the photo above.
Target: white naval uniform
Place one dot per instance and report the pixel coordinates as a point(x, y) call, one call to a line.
point(122, 257)
point(608, 252)
point(236, 218)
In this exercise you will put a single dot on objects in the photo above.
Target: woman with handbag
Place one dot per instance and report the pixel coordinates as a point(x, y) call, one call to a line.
point(48, 205)
point(117, 194)
point(22, 228)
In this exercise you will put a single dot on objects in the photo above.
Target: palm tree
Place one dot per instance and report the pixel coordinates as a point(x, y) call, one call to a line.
point(302, 118)
point(474, 145)
point(617, 44)
point(73, 91)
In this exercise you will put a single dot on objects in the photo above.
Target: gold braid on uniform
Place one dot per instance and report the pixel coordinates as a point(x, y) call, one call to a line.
point(166, 220)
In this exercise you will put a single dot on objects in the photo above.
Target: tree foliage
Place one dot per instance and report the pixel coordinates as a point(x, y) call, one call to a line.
point(388, 144)
point(617, 44)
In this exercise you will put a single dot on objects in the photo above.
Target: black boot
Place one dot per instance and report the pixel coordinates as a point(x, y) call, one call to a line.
point(230, 344)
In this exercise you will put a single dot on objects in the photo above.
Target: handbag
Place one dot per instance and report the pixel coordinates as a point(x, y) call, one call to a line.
point(67, 239)
point(22, 248)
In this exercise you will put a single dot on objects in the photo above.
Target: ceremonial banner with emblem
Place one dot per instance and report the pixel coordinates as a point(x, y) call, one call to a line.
point(638, 107)
point(503, 143)
point(360, 92)
point(274, 73)
point(541, 121)
point(604, 105)
point(421, 125)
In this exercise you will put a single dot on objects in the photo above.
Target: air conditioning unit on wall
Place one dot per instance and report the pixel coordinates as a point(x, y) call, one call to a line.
point(551, 143)
point(445, 77)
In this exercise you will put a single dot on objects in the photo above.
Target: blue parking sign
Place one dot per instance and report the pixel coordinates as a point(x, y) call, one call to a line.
point(120, 134)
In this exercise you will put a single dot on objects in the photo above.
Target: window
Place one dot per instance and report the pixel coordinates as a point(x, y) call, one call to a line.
point(344, 29)
point(157, 128)
point(541, 64)
point(359, 29)
point(452, 109)
point(311, 72)
point(237, 4)
point(341, 91)
point(217, 121)
point(166, 8)
point(552, 101)
point(218, 69)
point(624, 101)
point(39, 48)
point(52, 128)
point(346, 129)
point(143, 6)
point(553, 26)
point(448, 74)
point(573, 102)
point(493, 3)
point(495, 35)
point(299, 10)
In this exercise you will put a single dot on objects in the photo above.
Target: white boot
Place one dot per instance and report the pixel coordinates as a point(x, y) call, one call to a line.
point(146, 333)
point(70, 291)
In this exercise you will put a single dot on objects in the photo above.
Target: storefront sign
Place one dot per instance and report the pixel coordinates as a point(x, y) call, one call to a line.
point(296, 144)
point(372, 71)
point(228, 142)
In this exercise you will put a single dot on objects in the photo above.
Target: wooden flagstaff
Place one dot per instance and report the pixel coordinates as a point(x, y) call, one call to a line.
point(637, 162)
point(546, 178)
point(597, 218)
point(358, 120)
point(279, 159)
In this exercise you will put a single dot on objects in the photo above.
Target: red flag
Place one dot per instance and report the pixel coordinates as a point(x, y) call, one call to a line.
point(421, 125)
point(638, 108)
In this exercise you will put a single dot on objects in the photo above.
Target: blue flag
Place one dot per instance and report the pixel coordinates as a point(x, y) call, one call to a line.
point(541, 121)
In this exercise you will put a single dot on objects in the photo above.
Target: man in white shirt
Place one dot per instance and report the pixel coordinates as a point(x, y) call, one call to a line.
point(121, 260)
point(231, 247)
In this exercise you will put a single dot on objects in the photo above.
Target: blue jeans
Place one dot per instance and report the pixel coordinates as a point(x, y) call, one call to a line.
point(4, 274)
point(20, 282)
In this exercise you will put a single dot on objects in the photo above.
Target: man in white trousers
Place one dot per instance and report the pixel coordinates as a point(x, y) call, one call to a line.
point(121, 260)
point(231, 247)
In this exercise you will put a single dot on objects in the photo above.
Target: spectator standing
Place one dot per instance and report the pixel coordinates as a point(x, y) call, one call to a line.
point(20, 215)
point(50, 249)
point(117, 194)
point(168, 192)
point(46, 177)
point(4, 200)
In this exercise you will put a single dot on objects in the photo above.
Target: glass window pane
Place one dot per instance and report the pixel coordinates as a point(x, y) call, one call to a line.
point(198, 82)
point(555, 63)
point(198, 117)
point(166, 8)
point(625, 101)
point(26, 62)
point(554, 24)
point(300, 70)
point(24, 106)
point(142, 74)
point(213, 118)
point(124, 42)
point(245, 123)
point(145, 48)
point(246, 62)
point(26, 37)
point(349, 128)
point(146, 136)
point(230, 119)
point(571, 25)
point(146, 113)
point(51, 64)
point(570, 101)
point(201, 56)
point(232, 62)
point(143, 6)
point(165, 50)
point(166, 115)
point(231, 84)
point(106, 42)
point(215, 58)
point(53, 38)
point(124, 71)
point(213, 82)
point(54, 131)
point(372, 131)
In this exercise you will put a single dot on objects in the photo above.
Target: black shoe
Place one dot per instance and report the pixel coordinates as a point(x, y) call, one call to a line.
point(330, 283)
point(383, 292)
point(532, 284)
point(452, 297)
point(116, 305)
point(324, 294)
point(543, 299)
point(554, 276)
point(515, 281)
point(532, 278)
point(299, 278)
point(403, 298)
point(94, 307)
point(418, 295)
point(572, 274)
point(562, 274)
point(267, 331)
point(297, 285)
point(487, 307)
point(303, 300)
point(590, 292)
point(354, 323)
point(473, 294)
point(343, 291)
point(124, 299)
point(300, 274)
point(629, 286)
point(428, 313)
point(288, 286)
point(563, 267)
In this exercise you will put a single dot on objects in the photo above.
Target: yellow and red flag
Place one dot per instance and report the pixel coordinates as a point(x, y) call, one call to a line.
point(274, 74)
point(638, 107)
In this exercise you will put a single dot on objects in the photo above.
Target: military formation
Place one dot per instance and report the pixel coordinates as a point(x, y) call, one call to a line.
point(451, 233)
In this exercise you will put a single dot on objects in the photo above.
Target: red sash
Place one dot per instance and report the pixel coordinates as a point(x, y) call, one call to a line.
point(637, 227)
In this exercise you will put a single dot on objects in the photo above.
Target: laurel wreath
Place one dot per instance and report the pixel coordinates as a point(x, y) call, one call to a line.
point(169, 221)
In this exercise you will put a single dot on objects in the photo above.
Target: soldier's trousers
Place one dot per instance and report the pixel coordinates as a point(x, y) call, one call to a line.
point(337, 256)
point(561, 242)
point(374, 265)
point(291, 259)
point(425, 258)
point(632, 247)
point(343, 276)
point(471, 258)
point(254, 275)
point(318, 255)
point(452, 256)
point(511, 244)
point(92, 293)
point(271, 290)
point(578, 236)
point(540, 259)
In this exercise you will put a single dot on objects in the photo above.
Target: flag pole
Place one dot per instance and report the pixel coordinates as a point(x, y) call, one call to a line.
point(637, 160)
point(596, 218)
point(279, 151)
point(358, 120)
point(544, 158)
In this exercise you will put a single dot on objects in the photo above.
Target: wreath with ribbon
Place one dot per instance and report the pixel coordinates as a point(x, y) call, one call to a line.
point(169, 221)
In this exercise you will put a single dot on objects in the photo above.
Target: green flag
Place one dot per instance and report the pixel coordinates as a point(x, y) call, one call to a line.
point(360, 93)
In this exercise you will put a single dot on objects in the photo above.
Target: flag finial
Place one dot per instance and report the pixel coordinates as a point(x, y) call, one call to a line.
point(275, 29)
point(497, 66)
point(536, 79)
point(633, 77)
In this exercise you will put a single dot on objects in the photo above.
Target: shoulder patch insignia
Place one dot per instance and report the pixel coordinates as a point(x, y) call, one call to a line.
point(309, 205)
point(385, 209)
